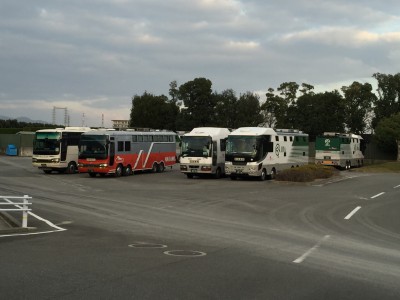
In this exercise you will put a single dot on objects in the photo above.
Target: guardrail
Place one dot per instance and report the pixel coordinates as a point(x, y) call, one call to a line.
point(19, 203)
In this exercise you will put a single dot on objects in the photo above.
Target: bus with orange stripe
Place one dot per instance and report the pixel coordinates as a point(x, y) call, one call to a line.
point(121, 153)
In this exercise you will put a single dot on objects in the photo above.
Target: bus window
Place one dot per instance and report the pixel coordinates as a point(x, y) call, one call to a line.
point(165, 138)
point(140, 138)
point(120, 146)
point(145, 138)
point(134, 138)
point(127, 146)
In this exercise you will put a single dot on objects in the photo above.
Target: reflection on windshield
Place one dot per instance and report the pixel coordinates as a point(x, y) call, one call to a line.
point(194, 146)
point(92, 147)
point(242, 145)
point(47, 143)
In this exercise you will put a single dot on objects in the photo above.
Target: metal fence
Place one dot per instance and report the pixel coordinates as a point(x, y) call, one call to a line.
point(17, 203)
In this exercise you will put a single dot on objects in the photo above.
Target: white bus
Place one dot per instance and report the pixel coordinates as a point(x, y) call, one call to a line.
point(203, 152)
point(57, 149)
point(341, 150)
point(261, 152)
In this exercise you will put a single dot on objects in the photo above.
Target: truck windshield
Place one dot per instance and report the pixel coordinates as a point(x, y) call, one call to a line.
point(93, 146)
point(196, 146)
point(247, 145)
point(46, 143)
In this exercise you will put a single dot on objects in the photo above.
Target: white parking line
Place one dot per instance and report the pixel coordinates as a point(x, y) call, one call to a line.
point(377, 195)
point(397, 186)
point(58, 229)
point(311, 250)
point(352, 213)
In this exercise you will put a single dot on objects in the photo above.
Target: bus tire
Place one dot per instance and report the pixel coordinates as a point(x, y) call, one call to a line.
point(160, 167)
point(154, 168)
point(272, 175)
point(263, 175)
point(118, 171)
point(217, 174)
point(71, 169)
point(127, 171)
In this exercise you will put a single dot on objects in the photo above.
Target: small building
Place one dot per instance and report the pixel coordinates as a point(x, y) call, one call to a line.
point(120, 124)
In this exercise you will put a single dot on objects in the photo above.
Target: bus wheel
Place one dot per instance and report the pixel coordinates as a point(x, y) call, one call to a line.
point(71, 169)
point(217, 174)
point(127, 171)
point(160, 167)
point(118, 171)
point(273, 174)
point(155, 167)
point(263, 175)
point(91, 174)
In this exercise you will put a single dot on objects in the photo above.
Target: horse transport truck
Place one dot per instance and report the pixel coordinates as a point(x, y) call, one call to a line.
point(262, 152)
point(341, 150)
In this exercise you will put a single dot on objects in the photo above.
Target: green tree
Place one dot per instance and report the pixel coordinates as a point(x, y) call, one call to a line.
point(317, 113)
point(226, 109)
point(150, 111)
point(274, 110)
point(248, 110)
point(388, 101)
point(358, 100)
point(387, 133)
point(173, 91)
point(197, 97)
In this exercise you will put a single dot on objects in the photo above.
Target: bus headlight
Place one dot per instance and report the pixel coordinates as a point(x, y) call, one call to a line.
point(183, 168)
point(34, 160)
point(103, 165)
point(55, 160)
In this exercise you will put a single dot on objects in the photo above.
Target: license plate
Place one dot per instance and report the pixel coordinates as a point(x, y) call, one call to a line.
point(327, 162)
point(193, 170)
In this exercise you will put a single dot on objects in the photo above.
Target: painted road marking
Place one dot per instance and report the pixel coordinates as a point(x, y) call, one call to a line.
point(377, 195)
point(352, 213)
point(58, 229)
point(311, 250)
point(397, 186)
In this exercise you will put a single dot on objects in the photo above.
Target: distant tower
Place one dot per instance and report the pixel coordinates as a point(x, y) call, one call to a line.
point(83, 120)
point(102, 120)
point(66, 116)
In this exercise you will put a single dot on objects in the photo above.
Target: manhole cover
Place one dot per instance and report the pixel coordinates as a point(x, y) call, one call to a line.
point(190, 253)
point(146, 245)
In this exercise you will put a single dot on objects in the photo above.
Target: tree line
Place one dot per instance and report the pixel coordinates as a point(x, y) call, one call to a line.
point(356, 108)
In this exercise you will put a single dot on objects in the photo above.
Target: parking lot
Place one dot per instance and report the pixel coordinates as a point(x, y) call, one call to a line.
point(164, 236)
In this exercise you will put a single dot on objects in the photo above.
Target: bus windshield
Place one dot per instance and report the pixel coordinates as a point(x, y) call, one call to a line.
point(196, 146)
point(93, 146)
point(47, 143)
point(243, 145)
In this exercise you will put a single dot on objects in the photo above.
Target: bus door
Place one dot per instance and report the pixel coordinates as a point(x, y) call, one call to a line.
point(112, 153)
point(214, 153)
point(64, 146)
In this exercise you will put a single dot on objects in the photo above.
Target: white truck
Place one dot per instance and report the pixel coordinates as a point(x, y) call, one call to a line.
point(262, 152)
point(203, 152)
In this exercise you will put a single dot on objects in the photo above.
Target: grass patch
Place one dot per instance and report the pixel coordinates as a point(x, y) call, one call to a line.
point(306, 173)
point(387, 167)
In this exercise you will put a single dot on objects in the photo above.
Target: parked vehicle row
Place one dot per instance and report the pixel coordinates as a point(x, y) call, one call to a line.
point(245, 152)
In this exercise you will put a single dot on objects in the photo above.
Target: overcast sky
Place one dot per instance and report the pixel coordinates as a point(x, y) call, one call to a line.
point(92, 56)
